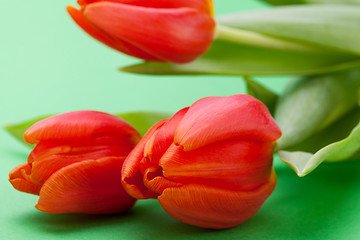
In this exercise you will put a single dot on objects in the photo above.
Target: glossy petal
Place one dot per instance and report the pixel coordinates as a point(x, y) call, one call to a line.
point(20, 179)
point(132, 179)
point(233, 165)
point(147, 154)
point(209, 165)
point(97, 146)
point(213, 207)
point(86, 187)
point(106, 38)
point(184, 33)
point(220, 175)
point(205, 6)
point(79, 125)
point(49, 157)
point(215, 119)
point(163, 138)
point(76, 165)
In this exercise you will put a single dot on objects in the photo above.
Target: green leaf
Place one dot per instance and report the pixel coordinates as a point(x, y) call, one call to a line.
point(263, 94)
point(311, 104)
point(17, 130)
point(290, 2)
point(142, 121)
point(337, 131)
point(225, 58)
point(330, 26)
point(303, 163)
point(316, 107)
point(296, 40)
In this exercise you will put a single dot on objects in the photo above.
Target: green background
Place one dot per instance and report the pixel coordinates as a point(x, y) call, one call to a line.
point(48, 65)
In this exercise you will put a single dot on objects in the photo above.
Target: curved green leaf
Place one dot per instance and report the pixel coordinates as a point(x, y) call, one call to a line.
point(303, 163)
point(142, 121)
point(313, 103)
point(290, 2)
point(332, 133)
point(335, 132)
point(295, 40)
point(329, 26)
point(227, 58)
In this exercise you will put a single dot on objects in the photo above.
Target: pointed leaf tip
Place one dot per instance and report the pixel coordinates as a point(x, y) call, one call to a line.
point(303, 163)
point(297, 161)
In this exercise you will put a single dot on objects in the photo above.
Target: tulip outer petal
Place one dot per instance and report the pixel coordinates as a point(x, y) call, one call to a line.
point(234, 117)
point(132, 179)
point(78, 125)
point(92, 187)
point(212, 207)
point(184, 34)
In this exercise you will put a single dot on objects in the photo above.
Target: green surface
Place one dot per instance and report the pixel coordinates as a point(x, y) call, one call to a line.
point(48, 65)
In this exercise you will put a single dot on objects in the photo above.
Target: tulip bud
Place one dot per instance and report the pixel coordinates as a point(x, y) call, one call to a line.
point(76, 164)
point(209, 165)
point(175, 31)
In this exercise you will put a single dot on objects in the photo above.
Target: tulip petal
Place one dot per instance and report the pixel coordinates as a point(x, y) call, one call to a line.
point(42, 169)
point(132, 179)
point(214, 119)
point(107, 39)
point(97, 146)
point(234, 165)
point(204, 6)
point(78, 125)
point(50, 156)
point(86, 187)
point(213, 207)
point(19, 179)
point(164, 137)
point(146, 154)
point(184, 33)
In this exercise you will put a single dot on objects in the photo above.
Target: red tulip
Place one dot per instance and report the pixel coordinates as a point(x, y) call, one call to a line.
point(76, 164)
point(209, 165)
point(155, 30)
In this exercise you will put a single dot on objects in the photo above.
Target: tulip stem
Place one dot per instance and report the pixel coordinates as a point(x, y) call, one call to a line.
point(255, 39)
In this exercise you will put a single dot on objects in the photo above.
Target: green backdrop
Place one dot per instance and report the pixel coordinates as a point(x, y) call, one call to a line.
point(48, 65)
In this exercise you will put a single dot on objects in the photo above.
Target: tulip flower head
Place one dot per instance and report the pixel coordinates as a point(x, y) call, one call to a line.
point(209, 165)
point(154, 30)
point(76, 164)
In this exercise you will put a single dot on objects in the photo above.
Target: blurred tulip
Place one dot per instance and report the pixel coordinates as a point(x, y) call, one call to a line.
point(155, 30)
point(76, 164)
point(209, 165)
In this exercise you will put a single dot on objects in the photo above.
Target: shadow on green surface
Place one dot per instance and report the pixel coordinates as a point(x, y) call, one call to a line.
point(146, 219)
point(323, 204)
